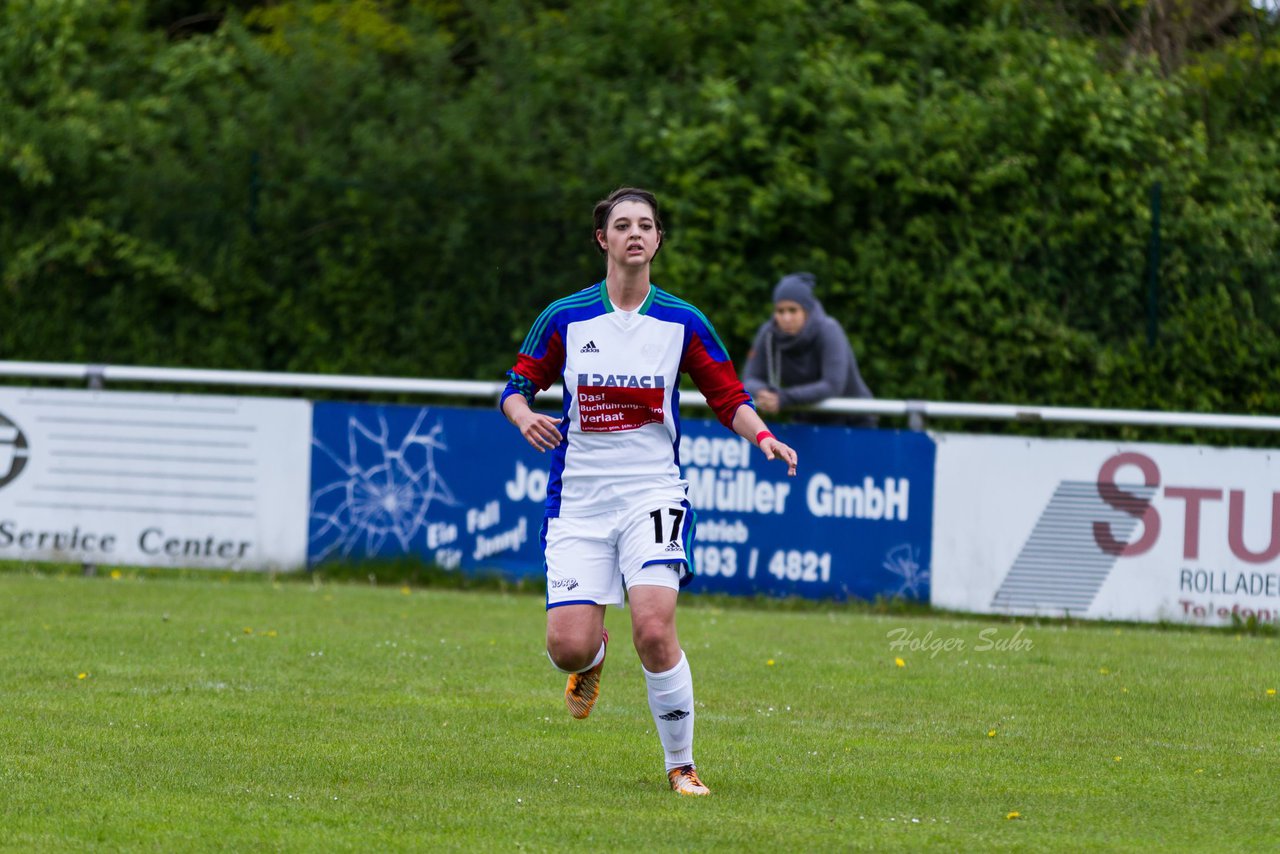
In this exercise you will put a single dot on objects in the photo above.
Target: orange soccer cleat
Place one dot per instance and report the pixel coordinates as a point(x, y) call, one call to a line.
point(685, 781)
point(583, 688)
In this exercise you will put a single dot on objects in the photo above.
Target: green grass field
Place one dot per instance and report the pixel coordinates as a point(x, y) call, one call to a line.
point(200, 713)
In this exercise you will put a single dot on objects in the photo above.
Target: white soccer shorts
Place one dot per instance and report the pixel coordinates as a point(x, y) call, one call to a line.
point(591, 559)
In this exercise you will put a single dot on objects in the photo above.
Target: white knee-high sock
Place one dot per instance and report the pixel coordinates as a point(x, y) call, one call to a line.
point(671, 701)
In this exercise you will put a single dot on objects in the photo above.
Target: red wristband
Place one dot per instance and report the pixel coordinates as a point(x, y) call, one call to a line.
point(762, 435)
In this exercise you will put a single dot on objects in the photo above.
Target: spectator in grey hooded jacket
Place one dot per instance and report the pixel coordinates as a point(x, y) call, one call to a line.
point(801, 355)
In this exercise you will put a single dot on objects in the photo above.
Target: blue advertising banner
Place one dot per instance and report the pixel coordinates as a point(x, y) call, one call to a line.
point(856, 520)
point(460, 488)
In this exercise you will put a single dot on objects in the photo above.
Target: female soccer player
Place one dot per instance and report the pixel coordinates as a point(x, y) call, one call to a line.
point(616, 515)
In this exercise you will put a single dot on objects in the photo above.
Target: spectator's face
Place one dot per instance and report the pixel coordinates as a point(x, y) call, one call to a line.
point(789, 316)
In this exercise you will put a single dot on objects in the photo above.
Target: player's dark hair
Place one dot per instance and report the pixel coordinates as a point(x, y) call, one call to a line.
point(605, 206)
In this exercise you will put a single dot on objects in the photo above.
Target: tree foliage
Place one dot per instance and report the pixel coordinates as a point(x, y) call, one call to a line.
point(398, 188)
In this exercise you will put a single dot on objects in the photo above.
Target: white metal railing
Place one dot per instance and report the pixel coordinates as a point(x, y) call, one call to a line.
point(916, 411)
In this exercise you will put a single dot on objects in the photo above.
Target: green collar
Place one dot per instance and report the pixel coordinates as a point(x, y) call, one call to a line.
point(644, 306)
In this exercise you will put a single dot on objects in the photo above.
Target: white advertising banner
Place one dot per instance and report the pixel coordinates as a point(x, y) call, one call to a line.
point(141, 479)
point(1108, 531)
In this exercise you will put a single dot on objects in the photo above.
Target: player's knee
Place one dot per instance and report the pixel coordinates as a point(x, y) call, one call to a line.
point(655, 640)
point(570, 653)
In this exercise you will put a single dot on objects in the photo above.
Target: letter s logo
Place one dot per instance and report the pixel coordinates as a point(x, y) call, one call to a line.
point(1134, 505)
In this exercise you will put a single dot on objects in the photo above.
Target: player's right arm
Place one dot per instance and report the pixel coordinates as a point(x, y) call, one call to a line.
point(540, 361)
point(540, 431)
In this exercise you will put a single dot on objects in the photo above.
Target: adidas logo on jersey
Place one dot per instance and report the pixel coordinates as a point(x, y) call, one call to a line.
point(674, 546)
point(589, 347)
point(678, 714)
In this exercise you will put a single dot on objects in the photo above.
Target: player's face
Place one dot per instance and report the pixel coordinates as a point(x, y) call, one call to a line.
point(789, 316)
point(631, 237)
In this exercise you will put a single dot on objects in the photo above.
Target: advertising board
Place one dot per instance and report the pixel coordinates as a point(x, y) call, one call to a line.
point(459, 487)
point(1104, 530)
point(125, 478)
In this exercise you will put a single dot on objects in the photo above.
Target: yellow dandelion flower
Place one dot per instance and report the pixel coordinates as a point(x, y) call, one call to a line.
point(769, 663)
point(115, 574)
point(405, 590)
point(1117, 758)
point(991, 733)
point(82, 675)
point(1011, 816)
point(899, 662)
point(248, 630)
point(1271, 692)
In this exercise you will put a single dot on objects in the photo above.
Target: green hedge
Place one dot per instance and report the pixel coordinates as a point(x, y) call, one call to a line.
point(398, 188)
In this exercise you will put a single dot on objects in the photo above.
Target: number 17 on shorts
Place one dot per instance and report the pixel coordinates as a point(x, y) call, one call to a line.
point(663, 539)
point(592, 559)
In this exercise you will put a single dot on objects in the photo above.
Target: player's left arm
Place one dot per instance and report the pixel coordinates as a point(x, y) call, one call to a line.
point(748, 424)
point(719, 383)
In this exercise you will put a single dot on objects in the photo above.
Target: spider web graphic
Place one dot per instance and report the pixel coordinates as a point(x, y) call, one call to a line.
point(904, 562)
point(388, 489)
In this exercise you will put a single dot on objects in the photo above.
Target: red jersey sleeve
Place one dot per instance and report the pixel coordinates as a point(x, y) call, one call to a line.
point(536, 371)
point(715, 378)
point(545, 368)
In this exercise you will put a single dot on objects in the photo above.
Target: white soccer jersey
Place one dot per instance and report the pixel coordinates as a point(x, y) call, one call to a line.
point(621, 375)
